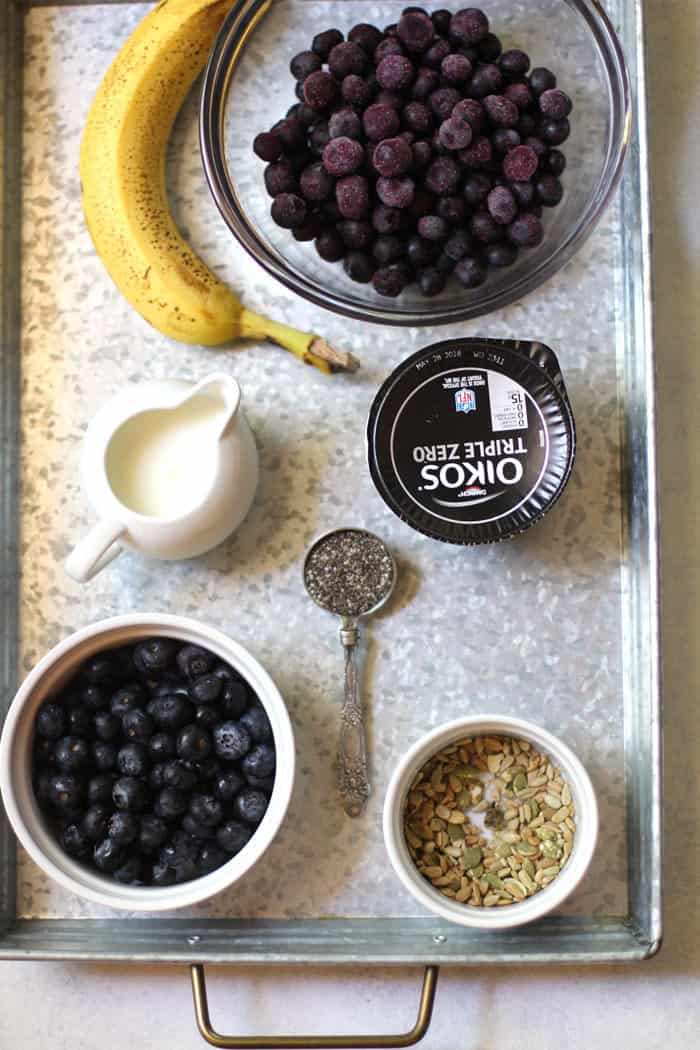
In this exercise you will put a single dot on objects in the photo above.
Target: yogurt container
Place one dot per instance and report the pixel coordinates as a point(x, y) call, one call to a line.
point(472, 440)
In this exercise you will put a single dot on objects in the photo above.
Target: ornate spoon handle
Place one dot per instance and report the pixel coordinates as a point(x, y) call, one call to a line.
point(353, 781)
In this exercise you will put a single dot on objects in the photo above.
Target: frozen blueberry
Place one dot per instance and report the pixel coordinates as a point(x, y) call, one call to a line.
point(427, 81)
point(501, 111)
point(231, 741)
point(554, 132)
point(526, 126)
point(104, 756)
point(387, 248)
point(123, 827)
point(470, 272)
point(346, 58)
point(99, 789)
point(365, 36)
point(421, 253)
point(520, 164)
point(504, 140)
point(288, 210)
point(355, 90)
point(301, 66)
point(514, 63)
point(130, 793)
point(108, 856)
point(206, 809)
point(319, 90)
point(485, 228)
point(343, 156)
point(520, 94)
point(153, 832)
point(71, 753)
point(486, 80)
point(451, 209)
point(250, 805)
point(316, 185)
point(193, 742)
point(555, 162)
point(555, 104)
point(352, 196)
point(455, 134)
point(380, 122)
point(477, 187)
point(526, 230)
point(75, 842)
point(537, 145)
point(210, 858)
point(51, 721)
point(489, 48)
point(291, 133)
point(94, 824)
point(458, 245)
point(423, 203)
point(395, 192)
point(415, 30)
point(171, 712)
point(469, 26)
point(386, 220)
point(323, 43)
point(358, 236)
point(436, 53)
point(433, 228)
point(549, 190)
point(126, 699)
point(307, 231)
point(502, 254)
point(161, 746)
point(194, 661)
point(170, 804)
point(478, 155)
point(232, 836)
point(392, 157)
point(386, 47)
point(390, 280)
point(456, 69)
point(442, 177)
point(502, 205)
point(177, 774)
point(524, 193)
point(542, 80)
point(422, 155)
point(443, 101)
point(417, 117)
point(359, 267)
point(155, 654)
point(431, 281)
point(132, 759)
point(260, 761)
point(329, 246)
point(471, 112)
point(441, 21)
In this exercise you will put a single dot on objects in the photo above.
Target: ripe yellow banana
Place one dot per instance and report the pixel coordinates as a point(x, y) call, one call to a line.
point(122, 173)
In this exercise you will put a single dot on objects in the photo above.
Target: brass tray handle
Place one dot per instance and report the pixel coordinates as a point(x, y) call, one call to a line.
point(312, 1042)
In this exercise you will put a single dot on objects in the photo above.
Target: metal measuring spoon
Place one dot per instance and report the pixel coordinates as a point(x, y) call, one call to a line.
point(350, 572)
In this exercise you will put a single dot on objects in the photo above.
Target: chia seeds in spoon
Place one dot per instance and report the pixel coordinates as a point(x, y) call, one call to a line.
point(349, 572)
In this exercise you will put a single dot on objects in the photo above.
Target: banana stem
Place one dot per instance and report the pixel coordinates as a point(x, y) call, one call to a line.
point(309, 348)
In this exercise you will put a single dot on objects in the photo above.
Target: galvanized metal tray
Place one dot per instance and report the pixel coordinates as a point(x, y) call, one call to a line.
point(560, 626)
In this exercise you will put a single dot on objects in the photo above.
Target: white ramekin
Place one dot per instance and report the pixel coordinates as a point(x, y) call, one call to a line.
point(586, 815)
point(16, 752)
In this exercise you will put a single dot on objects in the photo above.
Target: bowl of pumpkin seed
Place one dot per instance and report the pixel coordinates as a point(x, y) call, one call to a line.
point(490, 821)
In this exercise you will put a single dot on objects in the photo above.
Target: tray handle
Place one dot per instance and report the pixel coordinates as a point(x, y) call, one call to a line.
point(312, 1042)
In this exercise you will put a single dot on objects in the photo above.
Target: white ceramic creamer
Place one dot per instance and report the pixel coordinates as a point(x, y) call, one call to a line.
point(171, 468)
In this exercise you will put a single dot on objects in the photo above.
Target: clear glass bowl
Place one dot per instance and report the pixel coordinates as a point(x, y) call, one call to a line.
point(247, 87)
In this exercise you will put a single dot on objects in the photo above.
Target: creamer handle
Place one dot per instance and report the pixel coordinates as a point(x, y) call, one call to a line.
point(95, 550)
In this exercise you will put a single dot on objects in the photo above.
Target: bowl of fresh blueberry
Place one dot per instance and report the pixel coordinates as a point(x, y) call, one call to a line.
point(147, 762)
point(424, 166)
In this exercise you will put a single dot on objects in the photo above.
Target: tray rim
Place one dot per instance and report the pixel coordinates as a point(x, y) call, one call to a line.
point(376, 940)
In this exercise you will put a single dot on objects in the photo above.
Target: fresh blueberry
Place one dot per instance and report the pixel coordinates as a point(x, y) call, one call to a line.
point(153, 833)
point(206, 809)
point(108, 856)
point(137, 725)
point(95, 821)
point(170, 804)
point(156, 778)
point(43, 751)
point(177, 774)
point(194, 661)
point(51, 721)
point(193, 827)
point(131, 871)
point(162, 874)
point(265, 784)
point(207, 716)
point(81, 722)
point(227, 785)
point(155, 654)
point(193, 742)
point(104, 756)
point(236, 697)
point(100, 669)
point(260, 762)
point(130, 793)
point(232, 836)
point(127, 698)
point(210, 858)
point(75, 842)
point(123, 827)
point(207, 768)
point(231, 741)
point(71, 754)
point(99, 789)
point(133, 760)
point(162, 746)
point(171, 712)
point(250, 805)
point(107, 725)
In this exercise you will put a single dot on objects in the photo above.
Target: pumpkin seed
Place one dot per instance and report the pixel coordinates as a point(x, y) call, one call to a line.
point(472, 856)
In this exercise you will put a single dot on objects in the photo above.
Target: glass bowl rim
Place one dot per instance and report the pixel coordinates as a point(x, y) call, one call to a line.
point(229, 45)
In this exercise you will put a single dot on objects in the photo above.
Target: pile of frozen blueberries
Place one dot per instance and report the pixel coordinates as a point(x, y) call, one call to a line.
point(155, 764)
point(417, 151)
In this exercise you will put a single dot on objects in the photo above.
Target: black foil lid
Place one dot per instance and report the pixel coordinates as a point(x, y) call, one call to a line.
point(472, 440)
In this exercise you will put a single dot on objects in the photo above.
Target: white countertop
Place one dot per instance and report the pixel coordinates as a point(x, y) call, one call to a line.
point(655, 1004)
